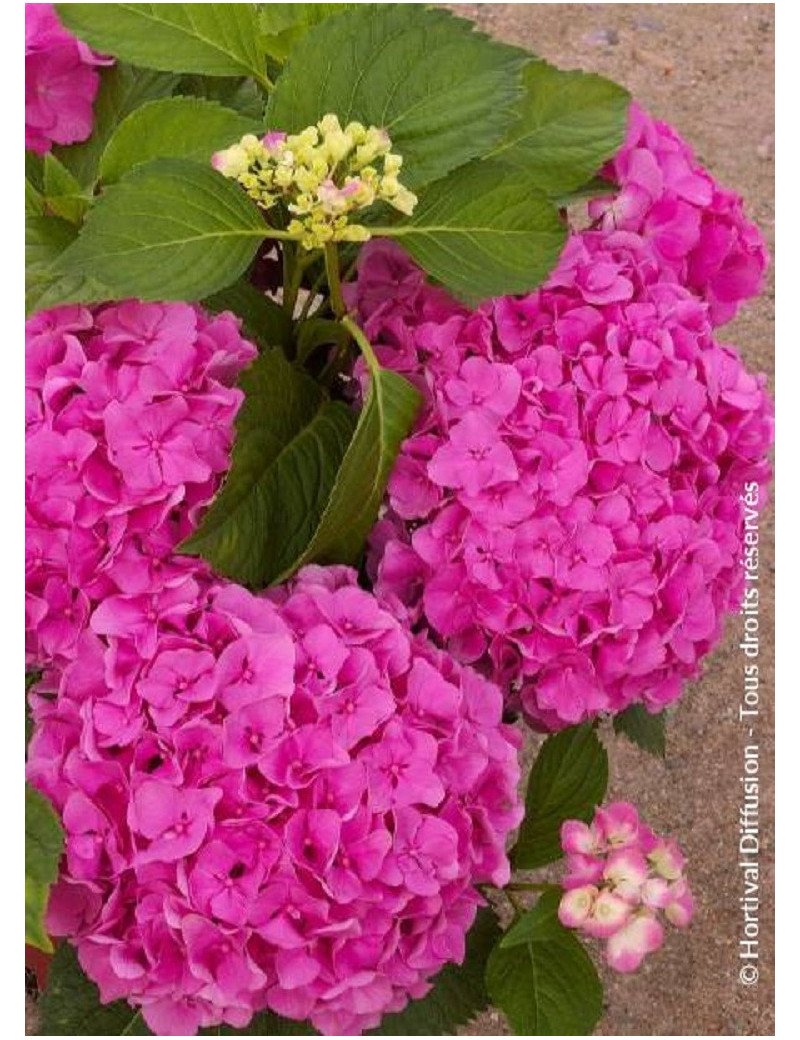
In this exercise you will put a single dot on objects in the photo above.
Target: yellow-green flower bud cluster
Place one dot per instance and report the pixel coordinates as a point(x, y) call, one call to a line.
point(323, 175)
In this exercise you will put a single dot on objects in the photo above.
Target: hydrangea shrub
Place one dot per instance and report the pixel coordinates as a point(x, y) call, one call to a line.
point(347, 456)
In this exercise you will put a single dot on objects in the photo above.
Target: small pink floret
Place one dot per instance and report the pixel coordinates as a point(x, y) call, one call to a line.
point(576, 906)
point(628, 947)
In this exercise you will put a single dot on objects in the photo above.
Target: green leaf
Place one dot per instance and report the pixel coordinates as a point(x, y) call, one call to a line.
point(44, 843)
point(34, 170)
point(212, 39)
point(385, 421)
point(34, 200)
point(314, 333)
point(284, 24)
point(242, 96)
point(58, 180)
point(122, 90)
point(595, 188)
point(46, 238)
point(444, 92)
point(542, 978)
point(64, 196)
point(69, 288)
point(569, 124)
point(70, 1004)
point(483, 231)
point(263, 321)
point(290, 442)
point(458, 994)
point(274, 19)
point(644, 729)
point(34, 185)
point(169, 230)
point(179, 127)
point(568, 780)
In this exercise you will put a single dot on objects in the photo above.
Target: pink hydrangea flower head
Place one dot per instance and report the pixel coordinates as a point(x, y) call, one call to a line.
point(128, 435)
point(61, 82)
point(567, 515)
point(697, 228)
point(280, 802)
point(619, 889)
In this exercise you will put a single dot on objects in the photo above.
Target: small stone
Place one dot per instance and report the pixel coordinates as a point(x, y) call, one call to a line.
point(648, 25)
point(653, 59)
point(602, 38)
point(766, 147)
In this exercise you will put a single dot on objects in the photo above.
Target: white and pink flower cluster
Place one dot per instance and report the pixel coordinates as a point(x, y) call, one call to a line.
point(619, 878)
point(281, 802)
point(61, 82)
point(567, 514)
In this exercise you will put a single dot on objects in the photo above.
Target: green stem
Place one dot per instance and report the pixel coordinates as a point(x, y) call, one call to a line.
point(340, 311)
point(363, 343)
point(340, 357)
point(264, 80)
point(271, 232)
point(334, 280)
point(286, 257)
point(293, 278)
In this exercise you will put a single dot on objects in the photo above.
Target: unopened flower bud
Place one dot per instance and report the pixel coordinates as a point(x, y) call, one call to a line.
point(357, 131)
point(354, 233)
point(404, 201)
point(231, 162)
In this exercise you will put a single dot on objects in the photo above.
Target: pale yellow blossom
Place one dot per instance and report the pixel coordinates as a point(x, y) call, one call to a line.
point(323, 175)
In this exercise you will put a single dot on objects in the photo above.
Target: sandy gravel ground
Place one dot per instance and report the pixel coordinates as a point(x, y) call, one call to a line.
point(709, 70)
